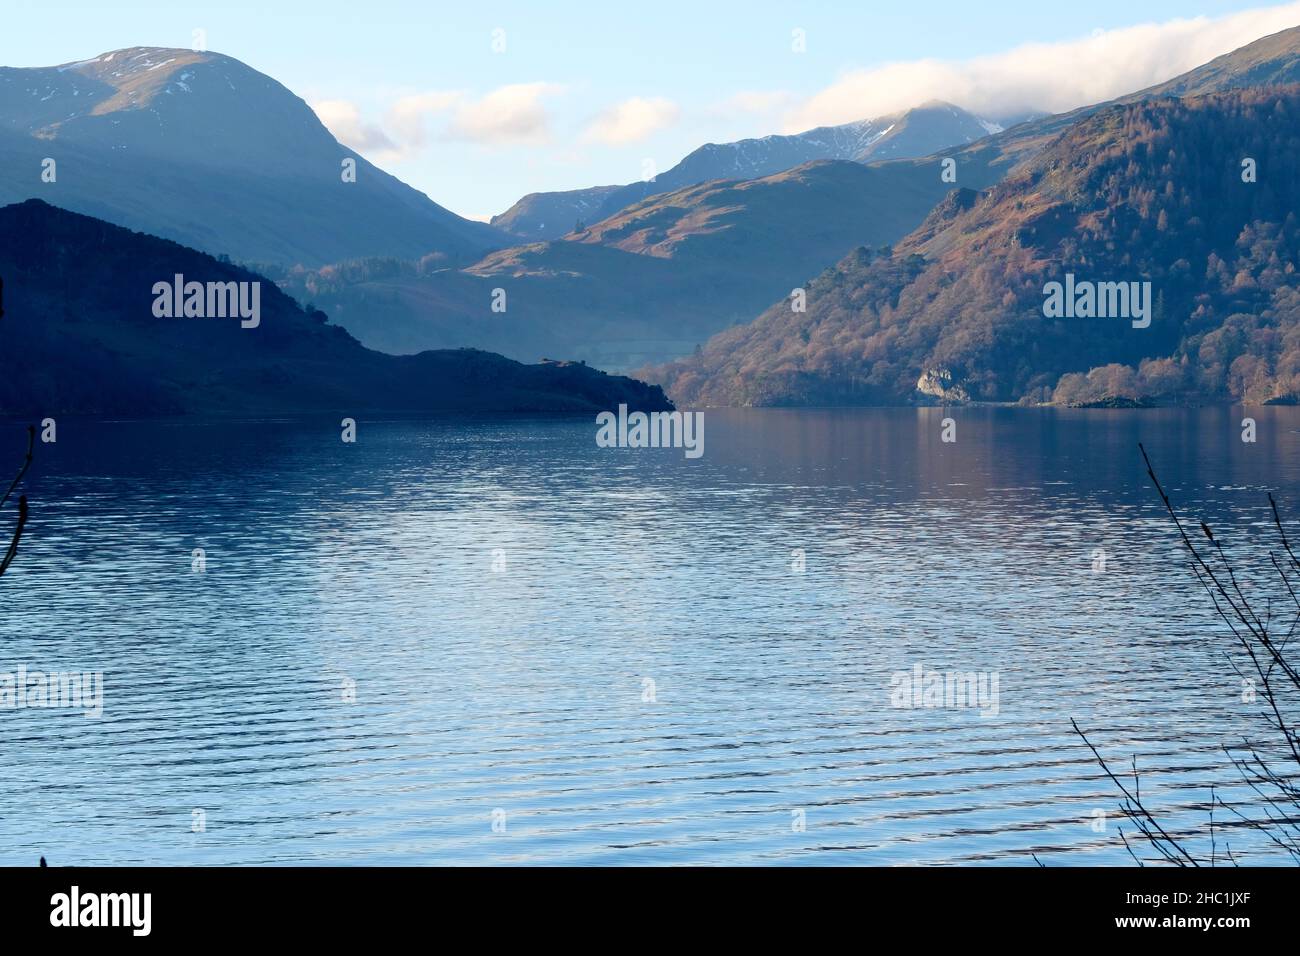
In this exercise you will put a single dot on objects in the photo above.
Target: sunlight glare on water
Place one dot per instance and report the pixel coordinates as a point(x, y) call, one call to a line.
point(612, 649)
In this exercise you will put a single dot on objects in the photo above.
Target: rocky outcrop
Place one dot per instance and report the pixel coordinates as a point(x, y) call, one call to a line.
point(940, 384)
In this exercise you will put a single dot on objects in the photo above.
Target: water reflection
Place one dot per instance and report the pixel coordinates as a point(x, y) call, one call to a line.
point(524, 689)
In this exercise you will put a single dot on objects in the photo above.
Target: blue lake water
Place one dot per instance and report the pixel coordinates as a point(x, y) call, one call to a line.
point(565, 654)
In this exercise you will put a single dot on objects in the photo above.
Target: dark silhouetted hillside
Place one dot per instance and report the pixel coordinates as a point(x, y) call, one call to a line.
point(79, 337)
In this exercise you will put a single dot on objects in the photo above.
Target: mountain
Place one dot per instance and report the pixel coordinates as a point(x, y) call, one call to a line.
point(643, 286)
point(552, 215)
point(81, 335)
point(826, 204)
point(651, 282)
point(915, 132)
point(1269, 61)
point(199, 148)
point(1153, 191)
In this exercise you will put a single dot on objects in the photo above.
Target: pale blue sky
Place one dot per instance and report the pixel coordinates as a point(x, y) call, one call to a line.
point(586, 93)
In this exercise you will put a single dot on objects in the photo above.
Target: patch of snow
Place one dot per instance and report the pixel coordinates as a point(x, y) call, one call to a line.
point(73, 66)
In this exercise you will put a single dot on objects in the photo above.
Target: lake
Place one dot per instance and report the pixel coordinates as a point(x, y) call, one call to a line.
point(487, 640)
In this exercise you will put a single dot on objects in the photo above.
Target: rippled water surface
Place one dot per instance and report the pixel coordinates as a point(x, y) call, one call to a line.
point(609, 654)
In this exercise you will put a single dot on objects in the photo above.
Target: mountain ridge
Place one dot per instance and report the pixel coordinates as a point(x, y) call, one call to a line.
point(913, 132)
point(1149, 191)
point(644, 285)
point(201, 148)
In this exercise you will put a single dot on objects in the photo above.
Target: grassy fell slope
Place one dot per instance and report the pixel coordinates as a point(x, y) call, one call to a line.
point(1151, 191)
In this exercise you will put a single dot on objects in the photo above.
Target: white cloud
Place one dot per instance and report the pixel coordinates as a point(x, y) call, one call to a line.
point(408, 118)
point(343, 119)
point(1048, 76)
point(631, 121)
point(509, 115)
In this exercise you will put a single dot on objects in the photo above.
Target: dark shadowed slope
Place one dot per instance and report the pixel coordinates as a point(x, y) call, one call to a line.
point(79, 336)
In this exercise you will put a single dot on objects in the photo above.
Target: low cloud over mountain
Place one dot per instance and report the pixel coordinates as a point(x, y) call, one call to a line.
point(1053, 77)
